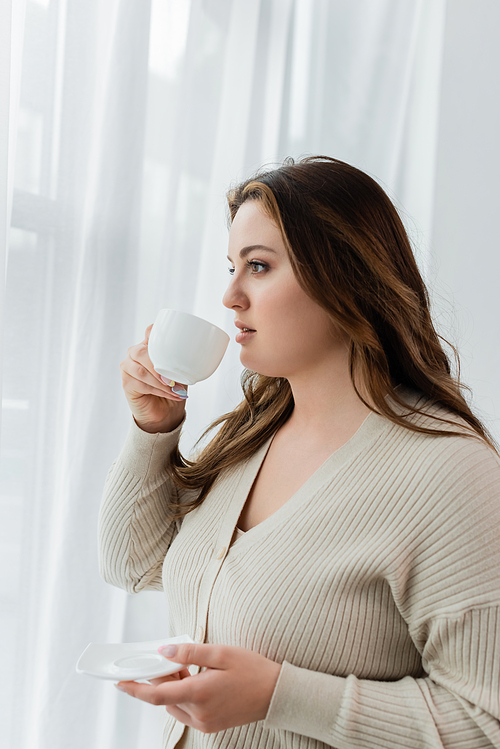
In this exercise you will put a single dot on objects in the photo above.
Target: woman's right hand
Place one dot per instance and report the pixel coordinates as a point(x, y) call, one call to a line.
point(155, 407)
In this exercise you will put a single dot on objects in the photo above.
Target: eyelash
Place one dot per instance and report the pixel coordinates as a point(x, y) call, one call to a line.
point(250, 264)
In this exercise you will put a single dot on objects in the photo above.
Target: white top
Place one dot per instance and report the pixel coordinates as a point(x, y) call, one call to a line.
point(238, 533)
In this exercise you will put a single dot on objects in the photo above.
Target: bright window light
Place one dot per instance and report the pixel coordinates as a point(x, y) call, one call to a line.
point(169, 28)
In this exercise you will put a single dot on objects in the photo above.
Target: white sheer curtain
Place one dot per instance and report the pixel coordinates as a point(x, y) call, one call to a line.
point(122, 123)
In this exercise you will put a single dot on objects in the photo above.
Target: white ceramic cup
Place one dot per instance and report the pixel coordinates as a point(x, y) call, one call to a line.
point(184, 347)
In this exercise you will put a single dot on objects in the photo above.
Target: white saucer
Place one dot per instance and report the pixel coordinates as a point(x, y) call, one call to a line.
point(127, 661)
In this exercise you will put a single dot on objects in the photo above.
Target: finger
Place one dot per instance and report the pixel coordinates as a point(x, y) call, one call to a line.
point(147, 333)
point(138, 360)
point(181, 715)
point(140, 387)
point(141, 369)
point(168, 693)
point(171, 677)
point(178, 388)
point(139, 355)
point(212, 656)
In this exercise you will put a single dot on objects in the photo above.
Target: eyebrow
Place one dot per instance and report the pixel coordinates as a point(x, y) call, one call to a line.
point(250, 248)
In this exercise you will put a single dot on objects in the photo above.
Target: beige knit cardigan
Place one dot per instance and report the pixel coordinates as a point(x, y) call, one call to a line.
point(377, 586)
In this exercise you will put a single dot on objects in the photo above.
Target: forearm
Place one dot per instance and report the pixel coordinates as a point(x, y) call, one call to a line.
point(136, 523)
point(351, 713)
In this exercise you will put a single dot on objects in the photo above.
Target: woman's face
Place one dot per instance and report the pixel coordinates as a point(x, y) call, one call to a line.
point(282, 331)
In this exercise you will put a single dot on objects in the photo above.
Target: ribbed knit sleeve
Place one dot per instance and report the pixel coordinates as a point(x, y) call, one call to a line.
point(135, 519)
point(448, 592)
point(427, 713)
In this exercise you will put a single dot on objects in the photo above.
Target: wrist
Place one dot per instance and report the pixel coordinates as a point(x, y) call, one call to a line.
point(146, 454)
point(159, 428)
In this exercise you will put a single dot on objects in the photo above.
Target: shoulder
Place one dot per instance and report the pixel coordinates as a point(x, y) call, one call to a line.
point(457, 441)
point(443, 496)
point(455, 470)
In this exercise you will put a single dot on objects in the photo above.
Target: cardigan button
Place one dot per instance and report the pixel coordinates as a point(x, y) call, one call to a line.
point(200, 634)
point(221, 553)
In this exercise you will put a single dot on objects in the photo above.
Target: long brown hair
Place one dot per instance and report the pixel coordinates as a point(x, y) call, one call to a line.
point(350, 253)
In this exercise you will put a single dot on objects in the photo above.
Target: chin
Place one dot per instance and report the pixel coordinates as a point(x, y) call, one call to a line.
point(266, 369)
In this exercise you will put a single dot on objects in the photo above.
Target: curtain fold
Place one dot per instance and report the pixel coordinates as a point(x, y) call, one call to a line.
point(11, 47)
point(12, 17)
point(122, 124)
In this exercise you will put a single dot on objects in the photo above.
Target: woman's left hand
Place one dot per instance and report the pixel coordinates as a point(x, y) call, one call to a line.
point(234, 689)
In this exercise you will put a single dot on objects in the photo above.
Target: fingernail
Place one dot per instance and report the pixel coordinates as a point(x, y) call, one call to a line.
point(180, 390)
point(167, 650)
point(122, 689)
point(170, 383)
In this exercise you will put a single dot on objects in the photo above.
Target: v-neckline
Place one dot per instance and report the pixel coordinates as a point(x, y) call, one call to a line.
point(369, 430)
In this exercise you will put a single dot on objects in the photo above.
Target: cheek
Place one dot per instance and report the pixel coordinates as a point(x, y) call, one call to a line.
point(306, 330)
point(298, 315)
point(298, 327)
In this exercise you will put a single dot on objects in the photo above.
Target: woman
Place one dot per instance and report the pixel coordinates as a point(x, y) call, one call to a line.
point(334, 550)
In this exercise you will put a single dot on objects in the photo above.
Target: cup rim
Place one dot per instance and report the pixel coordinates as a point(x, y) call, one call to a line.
point(196, 317)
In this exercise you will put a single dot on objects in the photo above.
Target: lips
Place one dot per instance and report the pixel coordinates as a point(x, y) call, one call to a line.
point(245, 333)
point(244, 327)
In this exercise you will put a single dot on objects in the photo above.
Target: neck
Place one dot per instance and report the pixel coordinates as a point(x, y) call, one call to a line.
point(325, 400)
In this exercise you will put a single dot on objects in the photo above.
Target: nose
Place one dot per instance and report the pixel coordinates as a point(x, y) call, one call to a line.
point(235, 297)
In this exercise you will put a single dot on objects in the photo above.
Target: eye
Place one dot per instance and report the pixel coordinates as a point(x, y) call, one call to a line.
point(256, 266)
